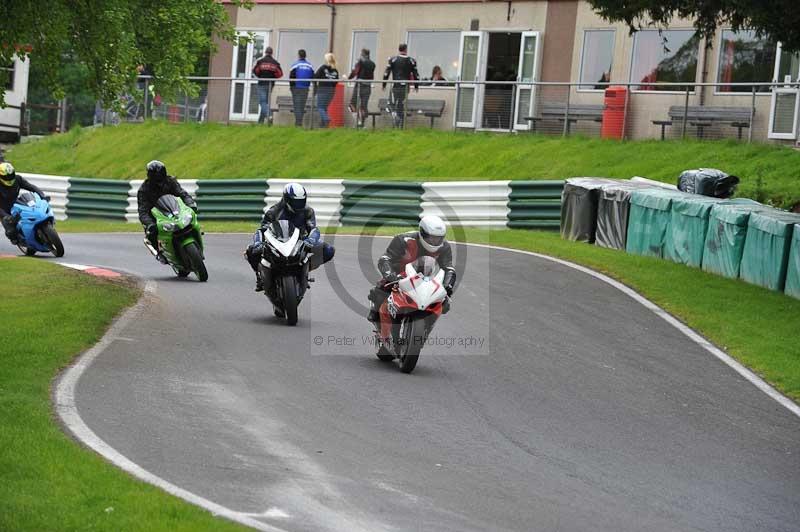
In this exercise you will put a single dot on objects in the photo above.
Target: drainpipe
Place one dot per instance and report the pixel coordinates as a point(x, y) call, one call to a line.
point(329, 3)
point(704, 73)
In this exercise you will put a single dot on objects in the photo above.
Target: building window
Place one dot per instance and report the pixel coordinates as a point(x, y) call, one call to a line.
point(363, 39)
point(435, 48)
point(315, 43)
point(744, 58)
point(662, 57)
point(597, 58)
point(7, 76)
point(788, 68)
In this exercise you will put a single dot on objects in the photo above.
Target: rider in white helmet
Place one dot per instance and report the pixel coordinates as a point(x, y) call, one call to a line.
point(405, 248)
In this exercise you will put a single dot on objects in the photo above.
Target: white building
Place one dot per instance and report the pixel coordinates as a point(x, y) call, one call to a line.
point(16, 93)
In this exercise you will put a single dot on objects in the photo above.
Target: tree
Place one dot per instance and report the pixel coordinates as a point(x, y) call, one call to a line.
point(114, 39)
point(778, 20)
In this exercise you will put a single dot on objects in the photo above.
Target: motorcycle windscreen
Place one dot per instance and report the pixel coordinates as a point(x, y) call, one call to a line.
point(168, 204)
point(282, 230)
point(26, 198)
point(427, 266)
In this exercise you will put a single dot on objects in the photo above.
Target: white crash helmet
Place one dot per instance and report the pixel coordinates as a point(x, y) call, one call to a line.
point(294, 195)
point(431, 233)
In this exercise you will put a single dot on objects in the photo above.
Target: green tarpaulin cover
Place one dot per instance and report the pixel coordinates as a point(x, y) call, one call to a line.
point(648, 220)
point(793, 266)
point(686, 233)
point(727, 228)
point(766, 248)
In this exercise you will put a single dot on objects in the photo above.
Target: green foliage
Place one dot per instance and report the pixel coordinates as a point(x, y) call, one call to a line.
point(778, 20)
point(112, 39)
point(225, 152)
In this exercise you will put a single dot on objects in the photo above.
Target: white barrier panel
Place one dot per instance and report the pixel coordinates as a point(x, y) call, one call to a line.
point(54, 186)
point(324, 196)
point(467, 202)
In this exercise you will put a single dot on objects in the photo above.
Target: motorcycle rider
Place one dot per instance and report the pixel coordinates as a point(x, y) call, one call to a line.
point(291, 207)
point(158, 184)
point(404, 68)
point(405, 248)
point(10, 185)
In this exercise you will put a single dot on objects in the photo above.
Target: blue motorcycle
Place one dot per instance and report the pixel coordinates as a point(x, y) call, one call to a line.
point(36, 225)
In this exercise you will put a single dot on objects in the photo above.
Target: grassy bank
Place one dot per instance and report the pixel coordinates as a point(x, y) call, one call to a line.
point(758, 327)
point(47, 481)
point(768, 172)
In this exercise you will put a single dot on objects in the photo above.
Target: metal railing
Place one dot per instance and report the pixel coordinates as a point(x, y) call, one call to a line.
point(741, 111)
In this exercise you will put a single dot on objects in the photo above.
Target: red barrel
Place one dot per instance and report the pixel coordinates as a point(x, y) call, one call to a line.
point(336, 107)
point(614, 113)
point(173, 113)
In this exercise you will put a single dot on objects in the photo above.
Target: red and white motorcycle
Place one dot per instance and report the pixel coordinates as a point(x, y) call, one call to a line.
point(409, 313)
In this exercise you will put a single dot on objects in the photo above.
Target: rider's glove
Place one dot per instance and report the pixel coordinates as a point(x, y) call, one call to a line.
point(45, 197)
point(193, 206)
point(389, 277)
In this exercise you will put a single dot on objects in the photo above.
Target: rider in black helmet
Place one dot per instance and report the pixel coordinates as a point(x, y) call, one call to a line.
point(158, 184)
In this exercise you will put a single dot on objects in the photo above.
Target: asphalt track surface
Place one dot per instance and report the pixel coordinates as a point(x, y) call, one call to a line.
point(582, 410)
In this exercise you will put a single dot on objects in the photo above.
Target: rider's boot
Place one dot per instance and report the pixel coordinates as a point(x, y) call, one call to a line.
point(259, 283)
point(161, 258)
point(278, 312)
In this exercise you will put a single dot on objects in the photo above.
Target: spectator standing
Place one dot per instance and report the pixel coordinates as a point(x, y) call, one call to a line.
point(266, 69)
point(401, 67)
point(327, 75)
point(300, 73)
point(363, 70)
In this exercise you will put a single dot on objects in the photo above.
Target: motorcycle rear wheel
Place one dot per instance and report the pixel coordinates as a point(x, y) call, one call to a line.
point(196, 261)
point(413, 337)
point(289, 289)
point(52, 240)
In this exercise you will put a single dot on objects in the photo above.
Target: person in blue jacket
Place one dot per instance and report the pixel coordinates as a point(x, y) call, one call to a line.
point(291, 207)
point(300, 75)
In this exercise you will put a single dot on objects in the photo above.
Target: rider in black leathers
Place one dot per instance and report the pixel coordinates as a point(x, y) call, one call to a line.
point(158, 184)
point(401, 67)
point(10, 185)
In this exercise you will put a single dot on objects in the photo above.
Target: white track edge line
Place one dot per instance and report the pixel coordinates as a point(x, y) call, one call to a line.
point(67, 410)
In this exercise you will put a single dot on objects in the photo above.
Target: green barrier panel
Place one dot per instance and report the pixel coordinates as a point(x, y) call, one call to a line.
point(229, 199)
point(686, 233)
point(766, 248)
point(727, 228)
point(535, 204)
point(381, 203)
point(97, 198)
point(648, 221)
point(793, 266)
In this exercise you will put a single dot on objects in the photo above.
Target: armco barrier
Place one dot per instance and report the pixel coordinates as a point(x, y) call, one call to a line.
point(57, 187)
point(231, 199)
point(381, 203)
point(97, 198)
point(324, 196)
point(467, 202)
point(535, 204)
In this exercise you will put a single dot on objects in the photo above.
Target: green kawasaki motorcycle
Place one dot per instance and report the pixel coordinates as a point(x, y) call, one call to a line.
point(180, 239)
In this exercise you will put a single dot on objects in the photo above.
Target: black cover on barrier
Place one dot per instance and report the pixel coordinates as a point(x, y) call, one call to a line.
point(579, 207)
point(613, 207)
point(708, 182)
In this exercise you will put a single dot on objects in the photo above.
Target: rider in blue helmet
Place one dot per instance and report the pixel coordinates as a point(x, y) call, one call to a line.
point(291, 207)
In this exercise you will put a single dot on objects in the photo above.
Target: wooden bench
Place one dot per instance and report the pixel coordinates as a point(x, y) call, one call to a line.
point(702, 117)
point(575, 113)
point(286, 104)
point(432, 109)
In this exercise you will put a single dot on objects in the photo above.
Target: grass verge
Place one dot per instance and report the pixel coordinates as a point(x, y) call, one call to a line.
point(47, 481)
point(756, 326)
point(768, 172)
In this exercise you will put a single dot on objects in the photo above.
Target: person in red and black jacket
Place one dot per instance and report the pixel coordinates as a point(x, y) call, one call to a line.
point(266, 68)
point(403, 68)
point(364, 69)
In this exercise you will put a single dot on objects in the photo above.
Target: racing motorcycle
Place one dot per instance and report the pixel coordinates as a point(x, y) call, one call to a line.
point(36, 225)
point(180, 238)
point(409, 313)
point(284, 267)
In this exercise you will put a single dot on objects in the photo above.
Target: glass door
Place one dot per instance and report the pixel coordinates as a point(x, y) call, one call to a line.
point(783, 113)
point(244, 97)
point(528, 73)
point(471, 69)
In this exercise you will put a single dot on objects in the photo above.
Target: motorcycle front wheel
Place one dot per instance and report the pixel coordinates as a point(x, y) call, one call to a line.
point(413, 337)
point(289, 289)
point(51, 239)
point(196, 261)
